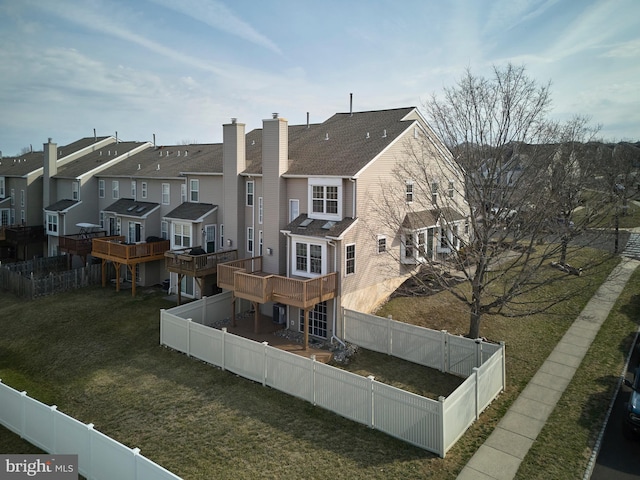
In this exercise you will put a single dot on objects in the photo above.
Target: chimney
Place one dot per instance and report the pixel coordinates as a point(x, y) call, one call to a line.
point(234, 162)
point(95, 137)
point(275, 162)
point(50, 169)
point(351, 104)
point(307, 119)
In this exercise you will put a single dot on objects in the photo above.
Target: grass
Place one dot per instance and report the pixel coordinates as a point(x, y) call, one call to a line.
point(95, 353)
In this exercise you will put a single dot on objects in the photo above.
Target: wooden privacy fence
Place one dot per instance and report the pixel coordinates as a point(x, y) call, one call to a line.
point(57, 433)
point(31, 286)
point(434, 425)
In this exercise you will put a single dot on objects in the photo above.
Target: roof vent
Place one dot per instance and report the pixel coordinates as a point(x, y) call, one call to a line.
point(367, 135)
point(178, 152)
point(233, 121)
point(275, 115)
point(115, 153)
point(186, 152)
point(160, 152)
point(100, 152)
point(158, 167)
point(138, 166)
point(109, 152)
point(168, 150)
point(384, 133)
point(327, 136)
point(253, 142)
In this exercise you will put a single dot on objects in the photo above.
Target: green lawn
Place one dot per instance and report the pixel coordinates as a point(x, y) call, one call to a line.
point(95, 353)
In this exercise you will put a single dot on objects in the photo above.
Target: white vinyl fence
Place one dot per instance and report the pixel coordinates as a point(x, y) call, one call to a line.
point(429, 424)
point(99, 457)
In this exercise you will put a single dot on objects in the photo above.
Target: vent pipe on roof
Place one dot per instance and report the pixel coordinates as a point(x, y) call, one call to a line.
point(186, 152)
point(158, 167)
point(327, 136)
point(351, 104)
point(138, 166)
point(367, 134)
point(233, 120)
point(116, 136)
point(275, 115)
point(31, 147)
point(178, 152)
point(384, 133)
point(95, 137)
point(154, 140)
point(307, 119)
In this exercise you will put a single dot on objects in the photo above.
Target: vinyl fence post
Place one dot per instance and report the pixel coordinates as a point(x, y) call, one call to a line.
point(224, 341)
point(476, 378)
point(504, 366)
point(371, 403)
point(441, 401)
point(389, 335)
point(33, 287)
point(162, 310)
point(264, 363)
point(478, 352)
point(23, 413)
point(188, 352)
point(204, 310)
point(313, 376)
point(54, 414)
point(89, 473)
point(443, 351)
point(136, 455)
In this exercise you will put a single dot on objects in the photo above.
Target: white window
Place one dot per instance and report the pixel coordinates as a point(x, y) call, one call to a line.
point(434, 192)
point(75, 191)
point(143, 187)
point(260, 242)
point(52, 223)
point(115, 189)
point(182, 235)
point(101, 188)
point(250, 186)
point(194, 187)
point(22, 217)
point(4, 216)
point(221, 236)
point(164, 230)
point(12, 211)
point(22, 198)
point(183, 192)
point(451, 189)
point(13, 197)
point(408, 186)
point(350, 259)
point(250, 240)
point(260, 210)
point(101, 219)
point(2, 187)
point(325, 198)
point(309, 259)
point(294, 209)
point(166, 198)
point(133, 189)
point(382, 244)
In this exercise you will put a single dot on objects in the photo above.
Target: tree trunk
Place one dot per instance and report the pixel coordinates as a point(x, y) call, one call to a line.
point(563, 249)
point(476, 316)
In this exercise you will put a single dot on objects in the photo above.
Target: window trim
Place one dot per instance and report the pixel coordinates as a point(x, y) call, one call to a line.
point(194, 182)
point(260, 210)
point(52, 219)
point(101, 188)
point(308, 259)
point(182, 226)
point(349, 260)
point(143, 189)
point(115, 189)
point(250, 240)
point(382, 238)
point(324, 183)
point(250, 192)
point(167, 187)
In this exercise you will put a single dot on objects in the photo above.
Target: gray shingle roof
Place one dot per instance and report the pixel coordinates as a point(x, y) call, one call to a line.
point(429, 218)
point(341, 145)
point(303, 225)
point(191, 211)
point(131, 207)
point(61, 205)
point(99, 157)
point(169, 162)
point(21, 165)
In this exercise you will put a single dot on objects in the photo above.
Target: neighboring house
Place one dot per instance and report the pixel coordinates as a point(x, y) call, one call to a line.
point(298, 207)
point(21, 230)
point(70, 186)
point(184, 185)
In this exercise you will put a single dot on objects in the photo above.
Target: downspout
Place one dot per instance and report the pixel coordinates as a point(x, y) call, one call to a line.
point(353, 200)
point(335, 304)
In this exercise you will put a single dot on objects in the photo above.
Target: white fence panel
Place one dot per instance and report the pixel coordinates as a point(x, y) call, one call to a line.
point(110, 459)
point(366, 331)
point(11, 414)
point(205, 343)
point(343, 392)
point(244, 357)
point(290, 373)
point(459, 411)
point(462, 353)
point(38, 424)
point(216, 308)
point(145, 468)
point(408, 417)
point(72, 437)
point(192, 310)
point(490, 381)
point(174, 331)
point(421, 346)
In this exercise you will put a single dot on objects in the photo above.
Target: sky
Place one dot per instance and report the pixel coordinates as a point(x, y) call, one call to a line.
point(180, 69)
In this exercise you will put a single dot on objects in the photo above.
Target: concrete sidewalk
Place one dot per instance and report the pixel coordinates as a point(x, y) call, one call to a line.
point(500, 456)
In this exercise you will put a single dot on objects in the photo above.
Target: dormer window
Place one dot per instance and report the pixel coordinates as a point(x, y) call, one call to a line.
point(325, 198)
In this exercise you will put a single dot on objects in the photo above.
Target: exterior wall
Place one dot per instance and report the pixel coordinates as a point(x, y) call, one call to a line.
point(297, 189)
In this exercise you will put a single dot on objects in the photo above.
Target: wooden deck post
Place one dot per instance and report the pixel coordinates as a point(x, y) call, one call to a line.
point(256, 318)
point(233, 311)
point(117, 265)
point(179, 287)
point(306, 329)
point(104, 273)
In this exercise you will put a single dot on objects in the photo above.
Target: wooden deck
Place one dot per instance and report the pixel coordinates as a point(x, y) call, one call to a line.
point(183, 263)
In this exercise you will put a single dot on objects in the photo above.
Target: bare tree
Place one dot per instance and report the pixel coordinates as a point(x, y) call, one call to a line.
point(516, 173)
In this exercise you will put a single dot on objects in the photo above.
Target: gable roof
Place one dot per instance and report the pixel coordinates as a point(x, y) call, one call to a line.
point(340, 146)
point(131, 207)
point(21, 165)
point(429, 218)
point(191, 211)
point(169, 161)
point(61, 205)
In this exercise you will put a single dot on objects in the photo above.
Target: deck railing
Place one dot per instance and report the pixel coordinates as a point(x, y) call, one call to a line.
point(246, 279)
point(114, 248)
point(181, 261)
point(80, 243)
